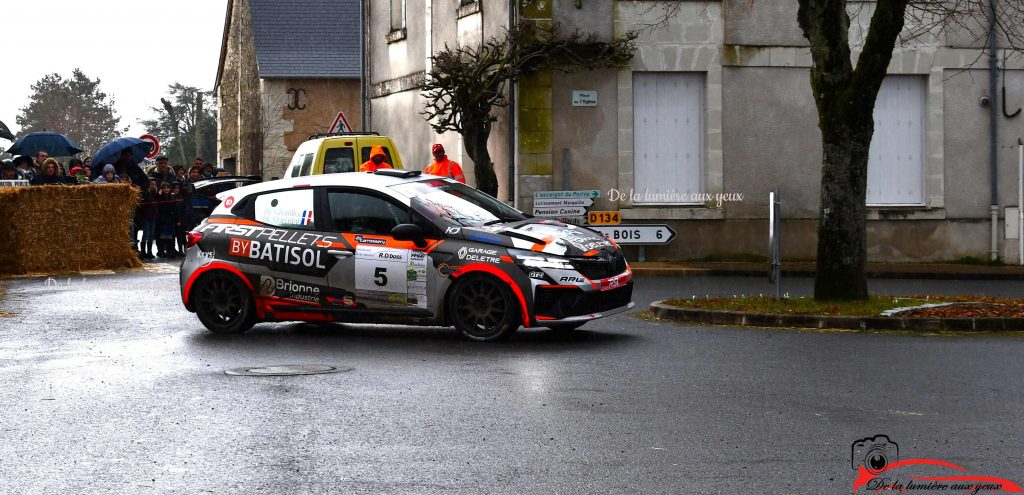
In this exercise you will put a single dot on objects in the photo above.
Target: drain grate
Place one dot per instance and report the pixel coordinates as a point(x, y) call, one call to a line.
point(287, 370)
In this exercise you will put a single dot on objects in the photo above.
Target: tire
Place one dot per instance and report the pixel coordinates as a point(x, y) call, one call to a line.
point(566, 327)
point(482, 308)
point(223, 303)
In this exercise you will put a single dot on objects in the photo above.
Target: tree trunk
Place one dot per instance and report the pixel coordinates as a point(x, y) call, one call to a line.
point(197, 130)
point(173, 114)
point(475, 139)
point(842, 221)
point(845, 98)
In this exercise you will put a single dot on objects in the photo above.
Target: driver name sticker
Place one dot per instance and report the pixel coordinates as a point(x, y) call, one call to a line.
point(381, 269)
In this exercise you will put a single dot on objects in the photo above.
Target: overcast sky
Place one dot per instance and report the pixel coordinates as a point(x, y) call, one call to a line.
point(136, 48)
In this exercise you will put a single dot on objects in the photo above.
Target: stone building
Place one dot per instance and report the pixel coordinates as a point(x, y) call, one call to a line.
point(717, 105)
point(286, 70)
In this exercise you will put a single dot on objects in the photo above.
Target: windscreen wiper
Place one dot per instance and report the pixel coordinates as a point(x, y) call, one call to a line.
point(503, 219)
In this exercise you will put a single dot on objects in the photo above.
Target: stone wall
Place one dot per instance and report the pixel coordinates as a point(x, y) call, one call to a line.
point(294, 109)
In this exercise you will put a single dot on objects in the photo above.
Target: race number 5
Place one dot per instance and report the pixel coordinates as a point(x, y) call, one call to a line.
point(381, 269)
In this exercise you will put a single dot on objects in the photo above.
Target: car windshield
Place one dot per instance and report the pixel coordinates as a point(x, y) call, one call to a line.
point(456, 204)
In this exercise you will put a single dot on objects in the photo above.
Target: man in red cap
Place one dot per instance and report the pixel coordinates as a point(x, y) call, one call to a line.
point(443, 166)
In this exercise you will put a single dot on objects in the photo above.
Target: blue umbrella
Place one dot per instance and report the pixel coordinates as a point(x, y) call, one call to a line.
point(110, 152)
point(53, 143)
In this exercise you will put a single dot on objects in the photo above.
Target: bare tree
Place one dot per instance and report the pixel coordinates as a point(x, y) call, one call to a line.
point(845, 97)
point(467, 83)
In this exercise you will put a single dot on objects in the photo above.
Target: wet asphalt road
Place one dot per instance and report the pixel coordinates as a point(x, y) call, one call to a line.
point(107, 385)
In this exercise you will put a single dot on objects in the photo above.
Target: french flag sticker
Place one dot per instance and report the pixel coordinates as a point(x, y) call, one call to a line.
point(307, 217)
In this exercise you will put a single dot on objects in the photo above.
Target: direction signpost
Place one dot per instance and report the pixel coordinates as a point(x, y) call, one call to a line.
point(547, 203)
point(592, 194)
point(640, 235)
point(564, 206)
point(637, 234)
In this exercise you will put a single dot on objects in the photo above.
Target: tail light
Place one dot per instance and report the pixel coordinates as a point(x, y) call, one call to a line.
point(192, 238)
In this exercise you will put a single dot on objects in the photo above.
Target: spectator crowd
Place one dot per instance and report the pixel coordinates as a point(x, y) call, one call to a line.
point(166, 194)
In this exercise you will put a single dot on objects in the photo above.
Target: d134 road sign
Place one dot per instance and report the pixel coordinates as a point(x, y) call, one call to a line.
point(638, 234)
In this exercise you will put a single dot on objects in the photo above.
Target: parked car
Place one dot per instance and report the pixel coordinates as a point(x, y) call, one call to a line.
point(362, 246)
point(339, 152)
point(204, 192)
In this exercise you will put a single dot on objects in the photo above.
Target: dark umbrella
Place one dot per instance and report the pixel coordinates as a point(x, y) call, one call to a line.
point(53, 143)
point(110, 152)
point(5, 133)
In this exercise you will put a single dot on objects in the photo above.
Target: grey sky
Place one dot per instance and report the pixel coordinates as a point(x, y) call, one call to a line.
point(136, 48)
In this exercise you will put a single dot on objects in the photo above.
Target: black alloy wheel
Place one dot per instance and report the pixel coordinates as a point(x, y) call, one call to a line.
point(483, 308)
point(223, 303)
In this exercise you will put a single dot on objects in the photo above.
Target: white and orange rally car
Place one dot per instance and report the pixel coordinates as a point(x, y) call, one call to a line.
point(367, 247)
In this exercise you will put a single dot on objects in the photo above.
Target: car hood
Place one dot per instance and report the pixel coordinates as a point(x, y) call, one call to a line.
point(546, 236)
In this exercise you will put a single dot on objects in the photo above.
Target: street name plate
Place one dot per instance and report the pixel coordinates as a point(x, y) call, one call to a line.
point(592, 194)
point(584, 98)
point(548, 203)
point(638, 234)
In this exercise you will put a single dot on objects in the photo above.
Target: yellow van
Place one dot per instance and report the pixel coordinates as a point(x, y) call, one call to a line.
point(339, 152)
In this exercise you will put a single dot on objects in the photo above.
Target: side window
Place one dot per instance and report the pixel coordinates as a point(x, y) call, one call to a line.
point(295, 166)
point(338, 160)
point(361, 213)
point(365, 154)
point(291, 209)
point(307, 164)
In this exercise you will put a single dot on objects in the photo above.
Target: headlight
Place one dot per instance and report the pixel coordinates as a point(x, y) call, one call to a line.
point(531, 259)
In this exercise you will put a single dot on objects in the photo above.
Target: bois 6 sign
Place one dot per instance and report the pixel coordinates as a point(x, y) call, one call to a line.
point(637, 234)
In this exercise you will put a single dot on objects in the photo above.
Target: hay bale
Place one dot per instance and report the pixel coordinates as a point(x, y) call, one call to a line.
point(61, 229)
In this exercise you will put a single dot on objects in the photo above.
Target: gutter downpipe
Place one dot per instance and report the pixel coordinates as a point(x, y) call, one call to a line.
point(364, 72)
point(993, 74)
point(513, 119)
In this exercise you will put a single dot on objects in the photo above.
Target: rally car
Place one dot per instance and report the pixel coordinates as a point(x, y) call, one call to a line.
point(395, 244)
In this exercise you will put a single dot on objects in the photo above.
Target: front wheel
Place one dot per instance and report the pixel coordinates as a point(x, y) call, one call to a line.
point(223, 303)
point(483, 308)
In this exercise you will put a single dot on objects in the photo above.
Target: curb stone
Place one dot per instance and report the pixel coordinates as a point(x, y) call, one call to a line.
point(739, 318)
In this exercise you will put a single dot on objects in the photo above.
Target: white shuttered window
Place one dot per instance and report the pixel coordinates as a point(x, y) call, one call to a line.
point(895, 166)
point(668, 130)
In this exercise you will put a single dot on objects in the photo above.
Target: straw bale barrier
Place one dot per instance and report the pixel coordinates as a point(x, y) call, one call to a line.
point(61, 229)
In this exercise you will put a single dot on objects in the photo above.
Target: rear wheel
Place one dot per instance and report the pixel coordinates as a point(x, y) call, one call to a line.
point(482, 308)
point(223, 303)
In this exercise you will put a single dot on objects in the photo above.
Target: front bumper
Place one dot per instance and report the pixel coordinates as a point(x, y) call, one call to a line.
point(562, 303)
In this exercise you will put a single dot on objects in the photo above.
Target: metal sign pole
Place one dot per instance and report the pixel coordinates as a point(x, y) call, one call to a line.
point(774, 244)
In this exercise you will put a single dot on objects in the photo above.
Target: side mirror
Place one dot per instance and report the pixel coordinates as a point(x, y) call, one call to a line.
point(409, 232)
